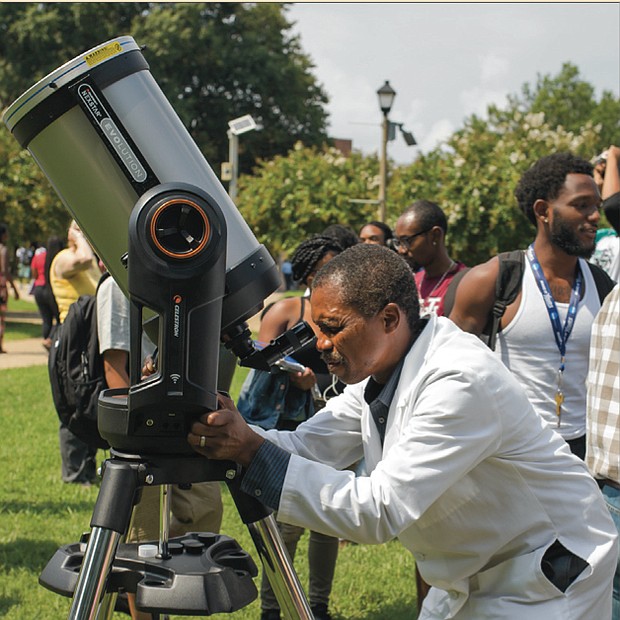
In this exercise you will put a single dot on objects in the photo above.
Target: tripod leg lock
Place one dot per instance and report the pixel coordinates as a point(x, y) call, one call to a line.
point(116, 496)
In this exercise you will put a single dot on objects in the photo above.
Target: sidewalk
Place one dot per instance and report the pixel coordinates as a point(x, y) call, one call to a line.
point(22, 353)
point(26, 351)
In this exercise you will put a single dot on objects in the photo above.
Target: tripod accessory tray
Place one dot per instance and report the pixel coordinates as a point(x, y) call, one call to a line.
point(205, 574)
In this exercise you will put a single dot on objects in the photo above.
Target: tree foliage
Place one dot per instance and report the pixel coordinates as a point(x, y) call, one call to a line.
point(289, 198)
point(218, 61)
point(474, 174)
point(36, 38)
point(214, 61)
point(475, 177)
point(569, 102)
point(28, 205)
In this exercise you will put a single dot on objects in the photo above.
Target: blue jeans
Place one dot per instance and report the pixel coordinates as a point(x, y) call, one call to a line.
point(612, 499)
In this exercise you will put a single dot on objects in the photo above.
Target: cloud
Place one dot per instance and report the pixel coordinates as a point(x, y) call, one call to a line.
point(491, 89)
point(493, 67)
point(446, 61)
point(476, 100)
point(440, 130)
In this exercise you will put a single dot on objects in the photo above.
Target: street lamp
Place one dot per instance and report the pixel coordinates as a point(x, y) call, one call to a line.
point(386, 99)
point(230, 170)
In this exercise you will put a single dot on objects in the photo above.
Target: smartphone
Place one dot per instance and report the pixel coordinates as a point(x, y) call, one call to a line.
point(289, 365)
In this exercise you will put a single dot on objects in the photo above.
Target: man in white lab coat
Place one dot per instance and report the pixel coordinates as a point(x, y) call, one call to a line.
point(503, 521)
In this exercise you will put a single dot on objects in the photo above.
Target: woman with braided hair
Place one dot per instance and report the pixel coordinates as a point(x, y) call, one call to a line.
point(308, 258)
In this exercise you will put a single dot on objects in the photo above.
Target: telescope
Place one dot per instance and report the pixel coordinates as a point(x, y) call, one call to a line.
point(153, 210)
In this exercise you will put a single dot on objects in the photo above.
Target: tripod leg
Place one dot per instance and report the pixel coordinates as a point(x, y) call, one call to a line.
point(165, 508)
point(279, 569)
point(274, 557)
point(106, 607)
point(109, 522)
point(96, 566)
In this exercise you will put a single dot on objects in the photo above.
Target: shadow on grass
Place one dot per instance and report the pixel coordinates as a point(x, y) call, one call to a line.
point(27, 553)
point(404, 610)
point(56, 509)
point(16, 330)
point(6, 602)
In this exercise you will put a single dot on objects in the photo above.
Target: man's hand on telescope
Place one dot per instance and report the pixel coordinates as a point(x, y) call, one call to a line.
point(224, 435)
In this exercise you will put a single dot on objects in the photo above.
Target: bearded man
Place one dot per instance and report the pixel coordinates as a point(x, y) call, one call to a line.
point(544, 336)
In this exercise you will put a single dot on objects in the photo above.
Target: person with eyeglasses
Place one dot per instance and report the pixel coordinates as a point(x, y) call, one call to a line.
point(420, 240)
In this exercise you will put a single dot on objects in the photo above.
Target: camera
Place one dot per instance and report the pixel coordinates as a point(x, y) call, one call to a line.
point(601, 160)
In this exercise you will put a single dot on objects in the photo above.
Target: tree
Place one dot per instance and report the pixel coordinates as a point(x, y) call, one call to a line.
point(474, 177)
point(28, 205)
point(474, 174)
point(214, 61)
point(218, 61)
point(36, 38)
point(289, 198)
point(568, 101)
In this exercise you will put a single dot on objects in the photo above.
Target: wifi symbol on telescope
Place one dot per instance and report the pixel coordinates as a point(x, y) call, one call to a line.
point(175, 378)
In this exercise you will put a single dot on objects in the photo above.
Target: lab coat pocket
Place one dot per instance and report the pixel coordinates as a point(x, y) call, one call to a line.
point(505, 590)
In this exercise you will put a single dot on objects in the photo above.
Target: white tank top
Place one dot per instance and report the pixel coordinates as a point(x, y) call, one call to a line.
point(528, 348)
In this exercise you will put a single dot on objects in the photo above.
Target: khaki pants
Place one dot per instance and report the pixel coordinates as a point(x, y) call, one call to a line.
point(198, 509)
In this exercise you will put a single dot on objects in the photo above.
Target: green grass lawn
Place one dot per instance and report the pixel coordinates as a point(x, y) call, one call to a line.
point(22, 305)
point(38, 513)
point(17, 330)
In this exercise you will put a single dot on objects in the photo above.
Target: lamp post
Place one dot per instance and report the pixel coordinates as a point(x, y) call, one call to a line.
point(386, 98)
point(236, 127)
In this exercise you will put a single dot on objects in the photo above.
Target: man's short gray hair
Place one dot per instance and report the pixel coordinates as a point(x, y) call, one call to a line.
point(368, 277)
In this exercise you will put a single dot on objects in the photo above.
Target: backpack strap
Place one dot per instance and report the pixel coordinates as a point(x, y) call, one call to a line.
point(507, 287)
point(603, 282)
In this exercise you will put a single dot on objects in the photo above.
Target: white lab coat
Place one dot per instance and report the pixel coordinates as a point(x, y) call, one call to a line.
point(469, 479)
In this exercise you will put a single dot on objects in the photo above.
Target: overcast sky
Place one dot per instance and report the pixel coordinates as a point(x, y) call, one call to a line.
point(446, 60)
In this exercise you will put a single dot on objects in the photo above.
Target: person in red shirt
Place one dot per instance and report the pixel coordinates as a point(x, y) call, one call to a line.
point(42, 291)
point(420, 240)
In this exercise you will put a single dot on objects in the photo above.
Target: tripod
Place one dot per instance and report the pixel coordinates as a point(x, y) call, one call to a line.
point(200, 573)
point(176, 265)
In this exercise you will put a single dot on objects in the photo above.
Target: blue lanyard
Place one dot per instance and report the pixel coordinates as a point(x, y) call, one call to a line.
point(560, 332)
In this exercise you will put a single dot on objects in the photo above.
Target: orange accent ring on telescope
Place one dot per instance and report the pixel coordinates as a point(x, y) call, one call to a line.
point(200, 246)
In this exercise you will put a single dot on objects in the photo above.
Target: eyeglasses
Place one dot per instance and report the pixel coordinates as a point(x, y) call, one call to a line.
point(405, 242)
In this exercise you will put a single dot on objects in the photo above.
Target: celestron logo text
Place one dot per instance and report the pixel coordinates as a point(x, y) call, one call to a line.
point(176, 329)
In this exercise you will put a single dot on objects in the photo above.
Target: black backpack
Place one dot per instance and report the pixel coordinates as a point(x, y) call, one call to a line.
point(75, 369)
point(508, 285)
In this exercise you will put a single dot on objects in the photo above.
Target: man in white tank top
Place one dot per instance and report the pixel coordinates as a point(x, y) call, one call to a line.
point(545, 333)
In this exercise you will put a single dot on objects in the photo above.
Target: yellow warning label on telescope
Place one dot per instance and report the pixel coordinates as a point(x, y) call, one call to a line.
point(103, 53)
